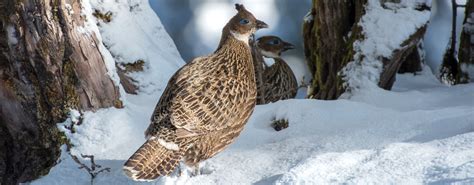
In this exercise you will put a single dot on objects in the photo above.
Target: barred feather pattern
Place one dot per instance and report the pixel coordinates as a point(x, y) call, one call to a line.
point(258, 63)
point(279, 82)
point(202, 110)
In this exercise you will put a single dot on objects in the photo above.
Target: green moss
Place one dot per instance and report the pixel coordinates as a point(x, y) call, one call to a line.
point(55, 9)
point(70, 81)
point(118, 104)
point(135, 66)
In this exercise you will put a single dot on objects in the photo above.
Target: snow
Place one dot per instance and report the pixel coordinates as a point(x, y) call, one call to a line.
point(398, 22)
point(421, 132)
point(438, 33)
point(142, 38)
point(90, 27)
point(400, 162)
point(73, 119)
point(11, 33)
point(308, 17)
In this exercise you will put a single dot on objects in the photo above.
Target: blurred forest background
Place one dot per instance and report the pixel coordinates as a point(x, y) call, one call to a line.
point(195, 26)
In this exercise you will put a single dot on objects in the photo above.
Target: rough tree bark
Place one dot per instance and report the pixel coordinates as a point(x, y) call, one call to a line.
point(329, 35)
point(450, 69)
point(413, 63)
point(466, 48)
point(328, 48)
point(47, 65)
point(399, 56)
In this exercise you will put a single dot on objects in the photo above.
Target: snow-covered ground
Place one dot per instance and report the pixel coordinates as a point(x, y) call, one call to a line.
point(421, 132)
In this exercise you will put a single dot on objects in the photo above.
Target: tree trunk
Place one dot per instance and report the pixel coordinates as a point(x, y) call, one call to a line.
point(399, 56)
point(47, 66)
point(328, 46)
point(466, 48)
point(329, 34)
point(450, 69)
point(413, 63)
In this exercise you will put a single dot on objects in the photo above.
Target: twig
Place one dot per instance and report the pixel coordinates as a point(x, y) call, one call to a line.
point(93, 167)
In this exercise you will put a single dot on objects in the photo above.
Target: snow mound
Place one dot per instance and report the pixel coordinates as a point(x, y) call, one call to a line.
point(136, 33)
point(439, 162)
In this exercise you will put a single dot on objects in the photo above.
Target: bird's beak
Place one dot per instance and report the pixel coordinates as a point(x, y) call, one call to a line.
point(261, 24)
point(288, 46)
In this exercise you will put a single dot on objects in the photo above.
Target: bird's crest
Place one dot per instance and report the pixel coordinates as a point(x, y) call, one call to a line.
point(239, 7)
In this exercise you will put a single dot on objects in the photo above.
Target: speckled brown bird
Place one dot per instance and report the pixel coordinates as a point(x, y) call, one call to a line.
point(279, 81)
point(204, 107)
point(259, 66)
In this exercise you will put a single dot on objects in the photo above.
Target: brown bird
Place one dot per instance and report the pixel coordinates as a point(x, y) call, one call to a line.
point(204, 107)
point(279, 81)
point(259, 67)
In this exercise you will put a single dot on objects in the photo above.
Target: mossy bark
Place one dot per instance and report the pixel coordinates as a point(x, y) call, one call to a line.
point(328, 39)
point(466, 48)
point(47, 66)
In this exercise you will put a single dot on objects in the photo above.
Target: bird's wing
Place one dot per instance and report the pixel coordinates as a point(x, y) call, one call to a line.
point(199, 100)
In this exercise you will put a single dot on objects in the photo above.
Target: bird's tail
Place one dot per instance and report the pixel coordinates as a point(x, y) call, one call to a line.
point(153, 159)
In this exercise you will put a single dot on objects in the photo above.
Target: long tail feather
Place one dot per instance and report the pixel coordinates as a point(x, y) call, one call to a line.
point(153, 159)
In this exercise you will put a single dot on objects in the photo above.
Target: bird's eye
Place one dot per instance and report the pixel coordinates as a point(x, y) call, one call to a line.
point(244, 21)
point(274, 42)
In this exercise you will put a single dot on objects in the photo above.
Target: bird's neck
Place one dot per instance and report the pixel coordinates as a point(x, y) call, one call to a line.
point(234, 43)
point(280, 62)
point(237, 56)
point(230, 37)
point(241, 37)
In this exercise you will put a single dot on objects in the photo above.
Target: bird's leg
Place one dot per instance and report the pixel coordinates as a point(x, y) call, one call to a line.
point(196, 170)
point(181, 171)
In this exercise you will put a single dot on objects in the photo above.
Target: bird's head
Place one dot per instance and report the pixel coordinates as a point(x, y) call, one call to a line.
point(273, 46)
point(244, 24)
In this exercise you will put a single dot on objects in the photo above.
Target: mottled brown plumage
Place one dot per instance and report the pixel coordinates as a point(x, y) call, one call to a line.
point(279, 81)
point(204, 107)
point(258, 65)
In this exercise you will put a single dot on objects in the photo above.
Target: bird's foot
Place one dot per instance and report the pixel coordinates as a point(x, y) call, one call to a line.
point(196, 170)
